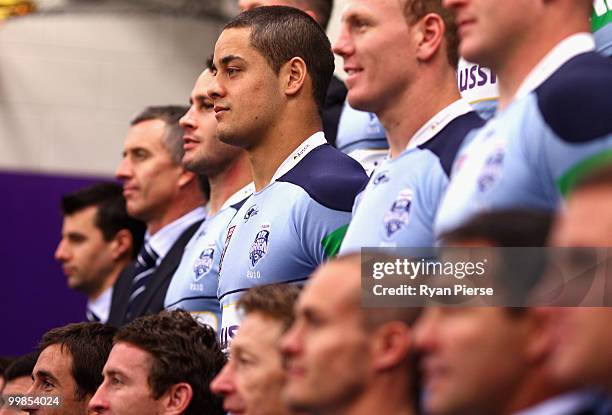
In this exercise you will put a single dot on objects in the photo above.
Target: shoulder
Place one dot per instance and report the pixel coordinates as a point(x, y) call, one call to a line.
point(576, 101)
point(445, 145)
point(329, 176)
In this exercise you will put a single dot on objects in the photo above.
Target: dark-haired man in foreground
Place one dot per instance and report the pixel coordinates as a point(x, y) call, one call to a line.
point(69, 366)
point(161, 364)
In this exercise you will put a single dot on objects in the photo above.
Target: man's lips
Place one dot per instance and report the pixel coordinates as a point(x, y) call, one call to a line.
point(219, 109)
point(352, 72)
point(68, 271)
point(464, 24)
point(294, 371)
point(129, 190)
point(189, 142)
point(433, 371)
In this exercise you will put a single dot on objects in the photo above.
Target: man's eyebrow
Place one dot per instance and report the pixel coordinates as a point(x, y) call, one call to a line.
point(227, 59)
point(47, 375)
point(114, 372)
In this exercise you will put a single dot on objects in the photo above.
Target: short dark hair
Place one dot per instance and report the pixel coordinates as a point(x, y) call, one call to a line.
point(505, 228)
point(274, 300)
point(414, 10)
point(5, 362)
point(182, 351)
point(21, 366)
point(89, 345)
point(169, 114)
point(281, 33)
point(210, 62)
point(111, 215)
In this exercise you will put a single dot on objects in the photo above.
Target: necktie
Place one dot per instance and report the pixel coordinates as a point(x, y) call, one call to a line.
point(144, 268)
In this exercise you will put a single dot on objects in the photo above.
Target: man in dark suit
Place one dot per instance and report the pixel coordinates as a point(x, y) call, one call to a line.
point(168, 198)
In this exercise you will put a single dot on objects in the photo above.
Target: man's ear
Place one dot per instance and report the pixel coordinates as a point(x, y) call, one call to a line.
point(185, 178)
point(542, 334)
point(293, 74)
point(392, 343)
point(312, 14)
point(431, 30)
point(122, 244)
point(177, 398)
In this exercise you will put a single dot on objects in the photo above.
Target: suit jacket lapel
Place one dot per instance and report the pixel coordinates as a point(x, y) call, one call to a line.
point(164, 272)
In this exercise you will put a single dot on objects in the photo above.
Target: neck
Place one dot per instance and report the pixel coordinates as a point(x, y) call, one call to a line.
point(190, 199)
point(534, 388)
point(228, 182)
point(514, 65)
point(278, 142)
point(110, 280)
point(389, 396)
point(422, 100)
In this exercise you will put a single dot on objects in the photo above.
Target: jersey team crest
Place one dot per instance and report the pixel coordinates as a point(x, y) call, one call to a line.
point(398, 215)
point(492, 170)
point(203, 264)
point(259, 247)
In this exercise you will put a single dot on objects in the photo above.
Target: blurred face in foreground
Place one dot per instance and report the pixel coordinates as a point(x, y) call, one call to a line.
point(584, 349)
point(327, 349)
point(252, 380)
point(473, 358)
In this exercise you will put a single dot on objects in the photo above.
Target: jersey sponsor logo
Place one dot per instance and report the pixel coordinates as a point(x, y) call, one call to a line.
point(398, 215)
point(251, 211)
point(381, 177)
point(301, 151)
point(259, 247)
point(230, 232)
point(473, 76)
point(492, 170)
point(204, 263)
point(227, 334)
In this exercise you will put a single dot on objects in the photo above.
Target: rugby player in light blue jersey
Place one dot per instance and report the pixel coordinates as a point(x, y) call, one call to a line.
point(272, 69)
point(554, 120)
point(601, 24)
point(195, 282)
point(401, 64)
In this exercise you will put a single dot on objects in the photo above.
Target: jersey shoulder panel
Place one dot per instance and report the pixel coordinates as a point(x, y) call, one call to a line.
point(329, 176)
point(576, 101)
point(446, 144)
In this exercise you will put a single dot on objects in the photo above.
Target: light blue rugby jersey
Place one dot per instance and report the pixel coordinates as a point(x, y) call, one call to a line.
point(194, 284)
point(530, 154)
point(284, 231)
point(362, 136)
point(399, 204)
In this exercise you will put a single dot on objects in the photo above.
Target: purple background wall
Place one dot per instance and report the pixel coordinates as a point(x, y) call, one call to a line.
point(33, 292)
